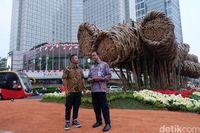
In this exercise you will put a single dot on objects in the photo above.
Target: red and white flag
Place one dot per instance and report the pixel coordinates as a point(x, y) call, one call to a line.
point(58, 45)
point(64, 46)
point(76, 46)
point(52, 47)
point(46, 46)
point(70, 46)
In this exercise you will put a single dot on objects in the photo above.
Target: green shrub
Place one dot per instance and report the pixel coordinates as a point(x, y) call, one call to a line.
point(195, 97)
point(45, 90)
point(124, 100)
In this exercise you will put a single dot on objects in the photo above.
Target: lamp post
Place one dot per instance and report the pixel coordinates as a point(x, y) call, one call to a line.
point(47, 58)
point(40, 59)
point(10, 54)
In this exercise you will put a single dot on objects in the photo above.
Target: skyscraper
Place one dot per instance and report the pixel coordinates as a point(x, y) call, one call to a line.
point(169, 7)
point(106, 13)
point(38, 21)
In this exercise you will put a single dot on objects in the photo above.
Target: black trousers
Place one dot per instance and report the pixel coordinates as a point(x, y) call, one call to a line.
point(72, 100)
point(100, 104)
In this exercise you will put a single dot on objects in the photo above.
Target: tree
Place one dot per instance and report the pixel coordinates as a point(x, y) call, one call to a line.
point(3, 64)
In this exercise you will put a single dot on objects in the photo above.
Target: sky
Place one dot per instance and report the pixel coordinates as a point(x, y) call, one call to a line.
point(189, 18)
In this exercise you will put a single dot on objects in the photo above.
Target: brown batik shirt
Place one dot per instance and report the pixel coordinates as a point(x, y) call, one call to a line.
point(74, 76)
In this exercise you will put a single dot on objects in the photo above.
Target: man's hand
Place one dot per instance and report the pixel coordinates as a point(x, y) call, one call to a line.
point(98, 79)
point(65, 87)
point(66, 92)
point(91, 81)
point(84, 92)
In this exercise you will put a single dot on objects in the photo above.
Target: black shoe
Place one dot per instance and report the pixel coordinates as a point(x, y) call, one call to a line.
point(76, 123)
point(67, 126)
point(97, 124)
point(106, 128)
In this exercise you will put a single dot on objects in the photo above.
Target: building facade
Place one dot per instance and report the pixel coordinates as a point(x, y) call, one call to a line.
point(106, 13)
point(50, 57)
point(38, 21)
point(169, 7)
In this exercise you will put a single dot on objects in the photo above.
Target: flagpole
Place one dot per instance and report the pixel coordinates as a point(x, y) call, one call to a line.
point(53, 60)
point(59, 56)
point(77, 50)
point(40, 58)
point(47, 57)
point(71, 48)
point(34, 59)
point(51, 57)
point(65, 54)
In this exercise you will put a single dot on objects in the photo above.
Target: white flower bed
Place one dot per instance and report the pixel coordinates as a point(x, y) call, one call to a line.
point(54, 95)
point(196, 93)
point(172, 102)
point(168, 100)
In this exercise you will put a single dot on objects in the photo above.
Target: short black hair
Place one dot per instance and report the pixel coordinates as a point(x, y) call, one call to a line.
point(72, 56)
point(96, 52)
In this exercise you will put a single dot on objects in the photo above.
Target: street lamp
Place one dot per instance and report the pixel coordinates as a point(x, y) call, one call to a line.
point(40, 59)
point(47, 58)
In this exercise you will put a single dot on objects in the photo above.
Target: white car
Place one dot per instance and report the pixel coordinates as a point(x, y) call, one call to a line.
point(115, 89)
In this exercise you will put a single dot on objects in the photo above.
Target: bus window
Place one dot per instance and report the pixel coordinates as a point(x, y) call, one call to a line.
point(26, 82)
point(16, 85)
point(9, 80)
point(3, 81)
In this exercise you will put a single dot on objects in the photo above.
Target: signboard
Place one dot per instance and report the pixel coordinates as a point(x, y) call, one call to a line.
point(54, 74)
point(57, 74)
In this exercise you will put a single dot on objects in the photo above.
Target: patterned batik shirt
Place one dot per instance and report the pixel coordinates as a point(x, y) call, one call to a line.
point(74, 76)
point(99, 70)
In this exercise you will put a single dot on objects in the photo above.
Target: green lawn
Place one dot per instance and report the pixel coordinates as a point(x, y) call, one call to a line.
point(123, 103)
point(130, 104)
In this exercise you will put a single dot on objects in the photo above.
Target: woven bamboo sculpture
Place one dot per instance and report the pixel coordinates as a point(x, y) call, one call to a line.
point(87, 34)
point(157, 32)
point(148, 48)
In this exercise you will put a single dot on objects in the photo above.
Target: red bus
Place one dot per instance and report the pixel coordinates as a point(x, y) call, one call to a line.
point(14, 85)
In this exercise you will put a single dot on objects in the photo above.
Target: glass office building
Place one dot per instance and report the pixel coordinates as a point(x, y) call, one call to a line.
point(35, 22)
point(107, 13)
point(39, 21)
point(169, 7)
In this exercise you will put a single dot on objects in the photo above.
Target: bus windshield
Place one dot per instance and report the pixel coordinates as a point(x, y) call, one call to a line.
point(26, 81)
